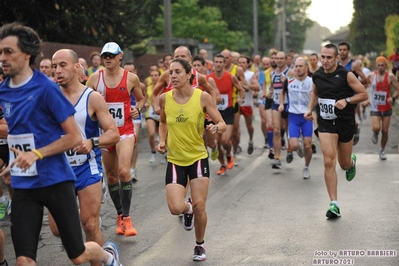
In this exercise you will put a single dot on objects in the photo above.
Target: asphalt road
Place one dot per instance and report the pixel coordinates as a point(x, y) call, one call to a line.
point(261, 216)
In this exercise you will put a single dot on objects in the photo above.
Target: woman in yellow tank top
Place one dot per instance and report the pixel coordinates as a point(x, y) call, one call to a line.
point(182, 119)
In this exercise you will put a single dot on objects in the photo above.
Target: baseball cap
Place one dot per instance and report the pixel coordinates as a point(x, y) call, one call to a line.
point(112, 48)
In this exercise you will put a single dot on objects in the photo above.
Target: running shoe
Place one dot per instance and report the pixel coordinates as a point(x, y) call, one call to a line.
point(113, 249)
point(357, 135)
point(163, 159)
point(104, 194)
point(333, 212)
point(188, 218)
point(9, 209)
point(239, 149)
point(199, 253)
point(133, 175)
point(222, 170)
point(230, 162)
point(364, 114)
point(276, 164)
point(313, 148)
point(235, 160)
point(289, 157)
point(350, 173)
point(374, 138)
point(120, 229)
point(266, 145)
point(128, 226)
point(300, 150)
point(271, 154)
point(153, 158)
point(3, 208)
point(382, 156)
point(305, 173)
point(250, 147)
point(214, 153)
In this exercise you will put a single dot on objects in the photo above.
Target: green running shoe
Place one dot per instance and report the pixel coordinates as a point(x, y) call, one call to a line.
point(350, 173)
point(214, 153)
point(3, 208)
point(333, 211)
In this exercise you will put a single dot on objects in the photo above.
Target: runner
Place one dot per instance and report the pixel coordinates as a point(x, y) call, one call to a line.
point(225, 82)
point(299, 89)
point(246, 108)
point(116, 85)
point(85, 159)
point(41, 176)
point(182, 116)
point(380, 101)
point(336, 119)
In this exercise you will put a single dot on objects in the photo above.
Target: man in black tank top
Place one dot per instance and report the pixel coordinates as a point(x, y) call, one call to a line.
point(333, 90)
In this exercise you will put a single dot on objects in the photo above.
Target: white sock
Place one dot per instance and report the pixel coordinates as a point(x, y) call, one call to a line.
point(110, 260)
point(3, 198)
point(191, 208)
point(335, 202)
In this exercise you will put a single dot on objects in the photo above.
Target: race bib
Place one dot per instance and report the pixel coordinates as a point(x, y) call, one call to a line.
point(116, 110)
point(74, 158)
point(380, 97)
point(25, 143)
point(224, 103)
point(327, 109)
point(276, 96)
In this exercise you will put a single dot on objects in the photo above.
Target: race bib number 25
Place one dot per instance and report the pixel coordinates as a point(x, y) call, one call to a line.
point(25, 143)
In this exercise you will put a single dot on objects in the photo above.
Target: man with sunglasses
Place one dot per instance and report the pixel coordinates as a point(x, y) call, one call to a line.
point(333, 91)
point(380, 101)
point(116, 84)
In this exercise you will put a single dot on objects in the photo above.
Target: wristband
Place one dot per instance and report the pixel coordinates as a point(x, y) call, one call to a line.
point(38, 154)
point(217, 128)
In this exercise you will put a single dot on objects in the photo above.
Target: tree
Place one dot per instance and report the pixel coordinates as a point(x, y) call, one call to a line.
point(239, 16)
point(189, 20)
point(392, 32)
point(297, 23)
point(367, 31)
point(88, 22)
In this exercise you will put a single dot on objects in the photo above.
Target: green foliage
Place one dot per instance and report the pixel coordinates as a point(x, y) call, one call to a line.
point(88, 22)
point(392, 32)
point(189, 20)
point(239, 16)
point(367, 32)
point(297, 23)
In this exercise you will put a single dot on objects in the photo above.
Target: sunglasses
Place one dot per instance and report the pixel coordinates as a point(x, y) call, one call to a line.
point(106, 55)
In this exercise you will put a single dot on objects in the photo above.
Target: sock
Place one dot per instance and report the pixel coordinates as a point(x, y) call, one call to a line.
point(110, 260)
point(335, 202)
point(3, 198)
point(200, 243)
point(270, 137)
point(153, 152)
point(114, 191)
point(126, 197)
point(306, 167)
point(190, 210)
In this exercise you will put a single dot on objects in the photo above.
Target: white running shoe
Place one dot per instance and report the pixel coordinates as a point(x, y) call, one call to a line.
point(199, 253)
point(306, 173)
point(153, 158)
point(163, 159)
point(382, 155)
point(113, 249)
point(300, 150)
point(104, 192)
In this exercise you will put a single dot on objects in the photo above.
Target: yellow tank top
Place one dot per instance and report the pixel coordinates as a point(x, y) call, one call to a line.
point(149, 94)
point(185, 126)
point(268, 80)
point(233, 71)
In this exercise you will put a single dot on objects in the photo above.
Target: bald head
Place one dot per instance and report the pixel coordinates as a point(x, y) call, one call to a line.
point(45, 67)
point(182, 52)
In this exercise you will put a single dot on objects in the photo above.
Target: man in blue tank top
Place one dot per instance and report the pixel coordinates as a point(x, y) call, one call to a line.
point(38, 115)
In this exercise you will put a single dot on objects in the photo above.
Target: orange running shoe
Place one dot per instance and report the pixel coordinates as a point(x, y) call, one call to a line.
point(129, 227)
point(230, 163)
point(120, 229)
point(222, 170)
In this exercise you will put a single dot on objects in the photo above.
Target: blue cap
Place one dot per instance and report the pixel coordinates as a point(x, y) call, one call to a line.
point(112, 48)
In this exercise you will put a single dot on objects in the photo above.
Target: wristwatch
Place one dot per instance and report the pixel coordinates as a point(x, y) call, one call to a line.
point(348, 100)
point(95, 142)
